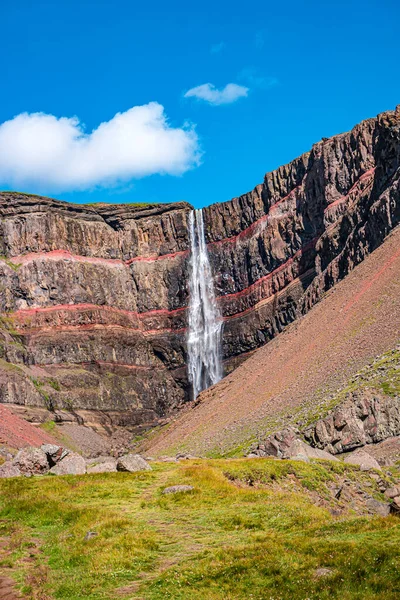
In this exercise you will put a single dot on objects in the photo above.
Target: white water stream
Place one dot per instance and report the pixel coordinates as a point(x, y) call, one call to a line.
point(205, 323)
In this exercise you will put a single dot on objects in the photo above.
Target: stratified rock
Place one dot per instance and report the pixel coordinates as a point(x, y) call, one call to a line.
point(9, 470)
point(104, 465)
point(132, 463)
point(72, 464)
point(176, 489)
point(366, 417)
point(364, 460)
point(104, 289)
point(31, 460)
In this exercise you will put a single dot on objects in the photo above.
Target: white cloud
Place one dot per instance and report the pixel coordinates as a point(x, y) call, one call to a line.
point(56, 153)
point(208, 92)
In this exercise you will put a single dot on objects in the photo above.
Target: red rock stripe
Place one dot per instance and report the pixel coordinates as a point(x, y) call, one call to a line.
point(245, 232)
point(81, 307)
point(23, 259)
point(86, 306)
point(66, 255)
point(103, 363)
point(269, 299)
point(41, 331)
point(156, 257)
point(366, 175)
point(282, 267)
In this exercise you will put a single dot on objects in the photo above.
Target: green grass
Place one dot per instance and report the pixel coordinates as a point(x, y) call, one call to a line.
point(248, 530)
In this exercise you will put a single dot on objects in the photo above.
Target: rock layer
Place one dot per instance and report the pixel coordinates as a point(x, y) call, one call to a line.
point(94, 298)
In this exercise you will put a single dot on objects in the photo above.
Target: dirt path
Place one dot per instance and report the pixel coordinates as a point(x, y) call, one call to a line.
point(356, 321)
point(7, 584)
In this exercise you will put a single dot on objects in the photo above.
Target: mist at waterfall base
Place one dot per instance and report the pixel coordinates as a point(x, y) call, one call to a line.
point(205, 322)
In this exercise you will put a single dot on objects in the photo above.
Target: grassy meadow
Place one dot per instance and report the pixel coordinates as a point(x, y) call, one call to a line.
point(255, 529)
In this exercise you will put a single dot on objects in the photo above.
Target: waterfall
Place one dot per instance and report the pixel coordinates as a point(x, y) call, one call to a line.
point(205, 323)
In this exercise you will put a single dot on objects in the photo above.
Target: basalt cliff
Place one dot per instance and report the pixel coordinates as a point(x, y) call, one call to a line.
point(94, 298)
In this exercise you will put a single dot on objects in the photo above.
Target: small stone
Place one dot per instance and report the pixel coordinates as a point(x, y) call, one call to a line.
point(176, 489)
point(322, 572)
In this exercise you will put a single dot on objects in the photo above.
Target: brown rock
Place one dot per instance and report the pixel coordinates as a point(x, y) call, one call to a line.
point(32, 461)
point(105, 465)
point(132, 463)
point(364, 460)
point(393, 492)
point(72, 464)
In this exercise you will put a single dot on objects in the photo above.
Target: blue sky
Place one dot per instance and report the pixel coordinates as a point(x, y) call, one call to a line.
point(300, 71)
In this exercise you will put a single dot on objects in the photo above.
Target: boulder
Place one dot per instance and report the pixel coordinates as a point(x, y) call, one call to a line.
point(176, 489)
point(377, 508)
point(54, 453)
point(299, 450)
point(9, 470)
point(102, 465)
point(364, 460)
point(393, 492)
point(31, 460)
point(72, 464)
point(131, 463)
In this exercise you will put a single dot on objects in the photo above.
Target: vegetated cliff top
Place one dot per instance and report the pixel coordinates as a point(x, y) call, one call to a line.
point(291, 380)
point(21, 201)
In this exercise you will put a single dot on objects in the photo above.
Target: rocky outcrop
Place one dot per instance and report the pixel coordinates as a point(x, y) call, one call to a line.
point(94, 297)
point(286, 444)
point(366, 417)
point(55, 460)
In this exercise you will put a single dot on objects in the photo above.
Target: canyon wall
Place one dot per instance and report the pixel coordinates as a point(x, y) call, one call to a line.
point(94, 298)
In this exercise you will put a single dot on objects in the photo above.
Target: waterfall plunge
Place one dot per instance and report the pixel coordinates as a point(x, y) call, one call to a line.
point(205, 323)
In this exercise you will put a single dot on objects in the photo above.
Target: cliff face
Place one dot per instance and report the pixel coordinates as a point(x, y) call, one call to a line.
point(94, 298)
